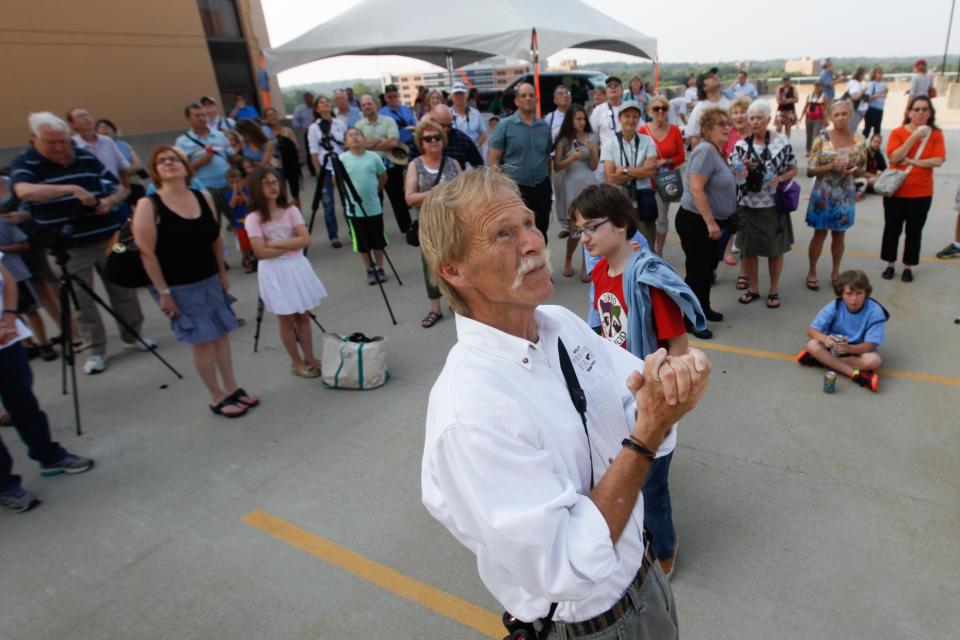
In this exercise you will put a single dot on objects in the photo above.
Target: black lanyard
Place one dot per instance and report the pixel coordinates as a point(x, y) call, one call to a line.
point(577, 396)
point(636, 150)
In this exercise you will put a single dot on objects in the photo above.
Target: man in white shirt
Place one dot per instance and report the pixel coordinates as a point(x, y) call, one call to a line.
point(743, 88)
point(710, 88)
point(603, 120)
point(103, 147)
point(545, 492)
point(215, 120)
point(554, 119)
point(466, 118)
point(302, 119)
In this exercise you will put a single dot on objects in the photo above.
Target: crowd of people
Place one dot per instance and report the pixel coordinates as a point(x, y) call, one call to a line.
point(603, 171)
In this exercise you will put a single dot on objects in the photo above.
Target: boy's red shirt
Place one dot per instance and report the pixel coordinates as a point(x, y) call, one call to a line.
point(609, 302)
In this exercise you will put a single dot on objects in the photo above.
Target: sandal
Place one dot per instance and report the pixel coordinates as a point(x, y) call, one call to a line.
point(229, 401)
point(748, 297)
point(773, 301)
point(309, 372)
point(813, 284)
point(239, 396)
point(431, 319)
point(743, 283)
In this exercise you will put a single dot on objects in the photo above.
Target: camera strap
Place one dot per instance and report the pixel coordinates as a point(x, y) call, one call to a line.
point(202, 145)
point(761, 158)
point(577, 396)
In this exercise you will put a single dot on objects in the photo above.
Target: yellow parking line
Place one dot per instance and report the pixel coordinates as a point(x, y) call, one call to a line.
point(867, 254)
point(787, 357)
point(449, 606)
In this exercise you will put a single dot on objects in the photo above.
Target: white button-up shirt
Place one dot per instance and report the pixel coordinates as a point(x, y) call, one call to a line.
point(507, 470)
point(605, 121)
point(555, 120)
point(473, 124)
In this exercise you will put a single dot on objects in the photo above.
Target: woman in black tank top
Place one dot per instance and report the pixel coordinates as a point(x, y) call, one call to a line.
point(180, 246)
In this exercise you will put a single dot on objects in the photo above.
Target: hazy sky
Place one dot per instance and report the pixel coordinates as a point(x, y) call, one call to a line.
point(687, 31)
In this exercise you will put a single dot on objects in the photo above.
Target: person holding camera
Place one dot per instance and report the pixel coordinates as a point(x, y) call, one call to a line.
point(630, 160)
point(555, 519)
point(709, 202)
point(325, 135)
point(431, 168)
point(768, 161)
point(838, 156)
point(73, 199)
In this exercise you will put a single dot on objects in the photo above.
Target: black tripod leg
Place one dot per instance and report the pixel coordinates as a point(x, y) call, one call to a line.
point(383, 292)
point(69, 357)
point(100, 301)
point(392, 268)
point(256, 334)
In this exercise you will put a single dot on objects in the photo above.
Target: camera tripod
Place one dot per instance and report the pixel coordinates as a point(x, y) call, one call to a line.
point(343, 184)
point(67, 295)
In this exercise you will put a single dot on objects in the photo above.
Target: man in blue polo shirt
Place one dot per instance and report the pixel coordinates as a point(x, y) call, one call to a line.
point(208, 150)
point(401, 114)
point(522, 144)
point(67, 187)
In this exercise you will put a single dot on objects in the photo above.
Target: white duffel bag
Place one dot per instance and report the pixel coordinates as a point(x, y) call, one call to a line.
point(354, 361)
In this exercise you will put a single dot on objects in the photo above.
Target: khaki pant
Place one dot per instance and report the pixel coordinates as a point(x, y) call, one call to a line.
point(83, 260)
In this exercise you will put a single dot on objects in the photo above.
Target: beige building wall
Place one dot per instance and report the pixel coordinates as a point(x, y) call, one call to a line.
point(134, 62)
point(258, 39)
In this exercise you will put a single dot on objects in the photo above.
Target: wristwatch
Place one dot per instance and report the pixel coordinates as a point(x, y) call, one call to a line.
point(625, 171)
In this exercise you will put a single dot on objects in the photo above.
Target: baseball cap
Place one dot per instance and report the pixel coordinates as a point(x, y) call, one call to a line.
point(920, 63)
point(627, 105)
point(613, 79)
point(459, 87)
point(712, 71)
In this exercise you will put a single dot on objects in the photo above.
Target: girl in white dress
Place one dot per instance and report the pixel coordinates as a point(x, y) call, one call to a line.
point(288, 286)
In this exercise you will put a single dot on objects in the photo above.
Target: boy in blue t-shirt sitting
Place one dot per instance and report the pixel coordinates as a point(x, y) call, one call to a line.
point(846, 333)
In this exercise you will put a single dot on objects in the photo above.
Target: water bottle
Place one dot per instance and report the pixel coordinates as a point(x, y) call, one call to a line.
point(738, 169)
point(768, 175)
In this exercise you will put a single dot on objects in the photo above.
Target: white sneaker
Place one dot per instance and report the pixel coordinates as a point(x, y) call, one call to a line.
point(94, 365)
point(136, 344)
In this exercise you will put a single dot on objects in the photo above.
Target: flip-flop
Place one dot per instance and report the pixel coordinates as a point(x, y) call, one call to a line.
point(229, 401)
point(431, 319)
point(773, 301)
point(748, 297)
point(239, 396)
point(813, 284)
point(730, 260)
point(743, 283)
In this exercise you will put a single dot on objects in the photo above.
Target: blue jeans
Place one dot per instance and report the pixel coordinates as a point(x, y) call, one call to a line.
point(16, 392)
point(657, 513)
point(329, 208)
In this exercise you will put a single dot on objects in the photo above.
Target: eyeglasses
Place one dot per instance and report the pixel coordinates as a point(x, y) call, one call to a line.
point(587, 231)
point(432, 138)
point(659, 109)
point(270, 182)
point(167, 160)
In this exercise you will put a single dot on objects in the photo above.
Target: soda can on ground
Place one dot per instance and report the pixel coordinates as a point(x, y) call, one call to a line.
point(830, 382)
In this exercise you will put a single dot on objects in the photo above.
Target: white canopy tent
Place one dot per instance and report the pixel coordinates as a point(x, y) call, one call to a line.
point(453, 34)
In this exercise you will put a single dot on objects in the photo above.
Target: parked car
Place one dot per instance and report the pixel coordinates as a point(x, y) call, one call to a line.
point(580, 84)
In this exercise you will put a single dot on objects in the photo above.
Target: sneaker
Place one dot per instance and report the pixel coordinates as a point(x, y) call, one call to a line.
point(95, 365)
point(47, 354)
point(139, 346)
point(867, 379)
point(949, 251)
point(807, 360)
point(18, 500)
point(69, 463)
point(382, 274)
point(371, 277)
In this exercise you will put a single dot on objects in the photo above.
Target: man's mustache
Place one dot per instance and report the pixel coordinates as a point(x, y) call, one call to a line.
point(531, 263)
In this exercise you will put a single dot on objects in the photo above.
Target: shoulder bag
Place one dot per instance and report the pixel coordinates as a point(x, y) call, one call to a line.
point(124, 267)
point(890, 181)
point(354, 361)
point(669, 182)
point(413, 233)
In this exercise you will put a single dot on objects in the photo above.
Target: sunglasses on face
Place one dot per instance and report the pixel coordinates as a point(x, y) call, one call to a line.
point(432, 138)
point(920, 109)
point(659, 109)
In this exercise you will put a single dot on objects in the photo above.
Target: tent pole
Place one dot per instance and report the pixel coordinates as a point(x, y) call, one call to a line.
point(450, 68)
point(535, 56)
point(656, 73)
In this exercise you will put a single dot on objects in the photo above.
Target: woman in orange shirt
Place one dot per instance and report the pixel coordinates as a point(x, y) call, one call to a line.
point(911, 203)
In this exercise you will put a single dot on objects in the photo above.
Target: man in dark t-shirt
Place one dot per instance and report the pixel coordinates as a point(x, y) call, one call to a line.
point(69, 190)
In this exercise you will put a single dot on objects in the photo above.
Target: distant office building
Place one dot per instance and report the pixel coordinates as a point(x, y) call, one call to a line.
point(133, 62)
point(492, 73)
point(569, 64)
point(804, 66)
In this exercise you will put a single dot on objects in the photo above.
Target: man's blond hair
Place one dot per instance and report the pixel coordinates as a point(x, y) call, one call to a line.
point(444, 221)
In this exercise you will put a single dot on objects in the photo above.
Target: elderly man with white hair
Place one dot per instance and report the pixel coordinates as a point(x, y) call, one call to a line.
point(764, 231)
point(69, 190)
point(539, 432)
